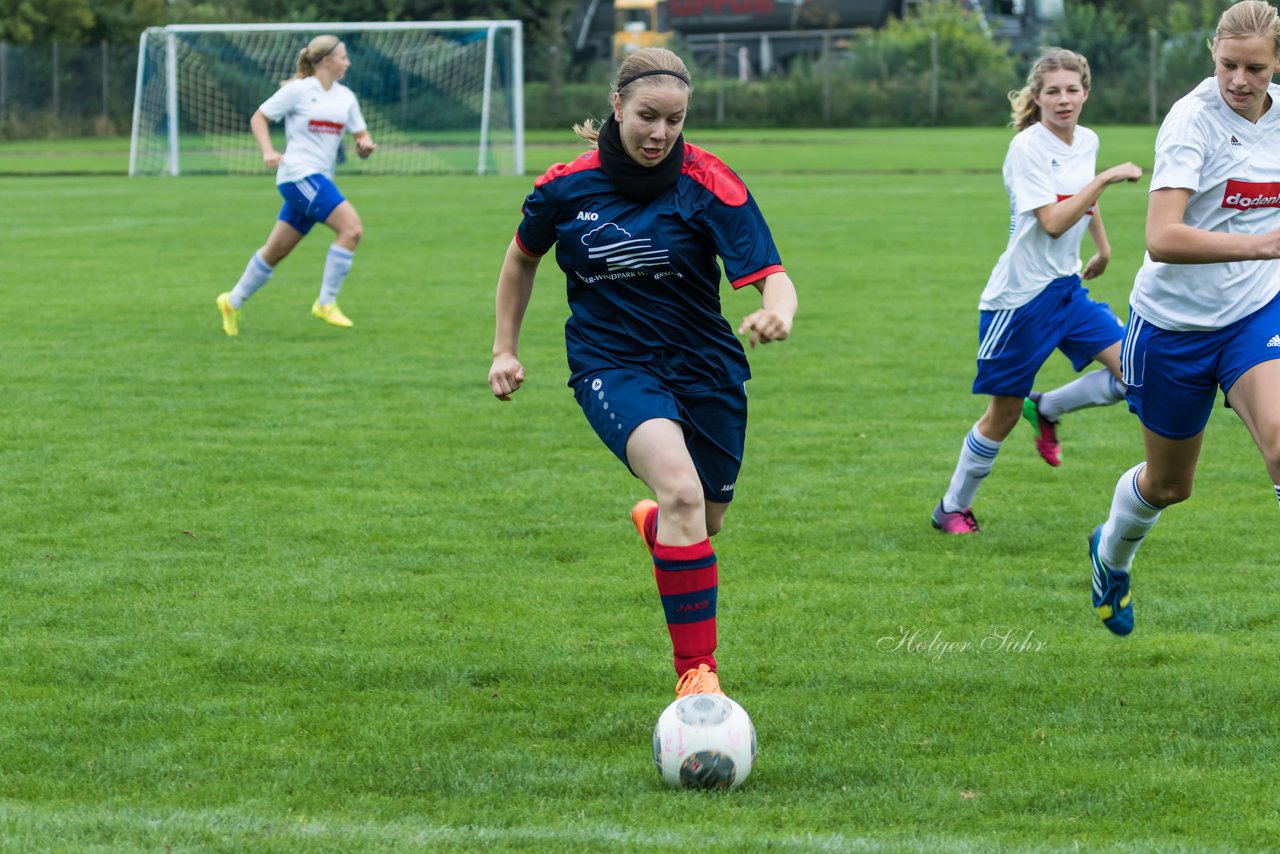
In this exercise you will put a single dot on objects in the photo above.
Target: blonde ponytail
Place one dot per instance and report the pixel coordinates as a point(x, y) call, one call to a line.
point(317, 49)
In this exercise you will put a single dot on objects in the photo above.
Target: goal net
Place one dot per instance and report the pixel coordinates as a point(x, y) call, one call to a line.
point(444, 97)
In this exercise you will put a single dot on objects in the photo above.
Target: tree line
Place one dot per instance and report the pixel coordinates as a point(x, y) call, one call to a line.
point(1110, 24)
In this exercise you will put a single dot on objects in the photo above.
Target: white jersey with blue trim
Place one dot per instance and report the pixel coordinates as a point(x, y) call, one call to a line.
point(314, 120)
point(1232, 167)
point(1039, 170)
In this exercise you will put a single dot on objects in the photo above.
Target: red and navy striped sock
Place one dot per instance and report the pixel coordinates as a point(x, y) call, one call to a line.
point(687, 577)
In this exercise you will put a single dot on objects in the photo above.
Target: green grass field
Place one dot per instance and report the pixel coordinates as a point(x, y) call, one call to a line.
point(315, 590)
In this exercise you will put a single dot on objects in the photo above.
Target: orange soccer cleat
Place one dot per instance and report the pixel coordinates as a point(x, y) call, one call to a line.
point(699, 680)
point(640, 518)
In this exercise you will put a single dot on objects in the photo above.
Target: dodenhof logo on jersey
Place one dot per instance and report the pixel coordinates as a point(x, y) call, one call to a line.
point(1246, 195)
point(322, 126)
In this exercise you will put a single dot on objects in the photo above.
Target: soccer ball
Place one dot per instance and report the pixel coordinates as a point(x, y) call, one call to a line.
point(704, 741)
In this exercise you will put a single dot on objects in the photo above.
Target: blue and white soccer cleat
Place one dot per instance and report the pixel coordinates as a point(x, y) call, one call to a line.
point(1111, 598)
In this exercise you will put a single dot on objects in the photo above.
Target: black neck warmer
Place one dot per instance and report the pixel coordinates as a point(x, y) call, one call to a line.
point(636, 182)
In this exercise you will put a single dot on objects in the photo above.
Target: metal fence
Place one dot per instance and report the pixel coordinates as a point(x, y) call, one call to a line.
point(60, 90)
point(66, 90)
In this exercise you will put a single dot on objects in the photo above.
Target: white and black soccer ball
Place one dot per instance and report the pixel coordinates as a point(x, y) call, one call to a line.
point(704, 741)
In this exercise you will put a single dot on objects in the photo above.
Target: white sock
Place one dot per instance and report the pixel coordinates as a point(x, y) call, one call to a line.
point(1131, 517)
point(977, 455)
point(1278, 491)
point(1096, 388)
point(336, 266)
point(255, 275)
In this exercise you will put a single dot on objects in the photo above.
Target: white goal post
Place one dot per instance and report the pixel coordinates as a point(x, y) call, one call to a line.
point(438, 96)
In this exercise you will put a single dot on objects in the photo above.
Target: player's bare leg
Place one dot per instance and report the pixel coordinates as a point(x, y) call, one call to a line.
point(1255, 399)
point(280, 242)
point(684, 564)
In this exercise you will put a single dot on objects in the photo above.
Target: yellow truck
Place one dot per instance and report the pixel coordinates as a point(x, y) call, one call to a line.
point(639, 23)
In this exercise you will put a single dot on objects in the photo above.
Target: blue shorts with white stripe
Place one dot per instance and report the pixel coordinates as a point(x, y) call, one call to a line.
point(1014, 343)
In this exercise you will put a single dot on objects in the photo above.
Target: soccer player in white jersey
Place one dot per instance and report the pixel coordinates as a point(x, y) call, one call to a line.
point(317, 109)
point(1033, 301)
point(1205, 310)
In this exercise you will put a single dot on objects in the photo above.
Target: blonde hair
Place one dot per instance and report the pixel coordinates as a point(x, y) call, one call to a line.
point(659, 67)
point(1026, 111)
point(1249, 18)
point(317, 49)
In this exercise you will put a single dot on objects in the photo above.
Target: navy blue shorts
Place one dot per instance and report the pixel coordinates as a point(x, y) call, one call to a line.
point(308, 201)
point(1173, 377)
point(616, 401)
point(1013, 344)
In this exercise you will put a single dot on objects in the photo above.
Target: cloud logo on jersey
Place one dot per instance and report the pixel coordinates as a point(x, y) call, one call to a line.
point(620, 251)
point(1246, 195)
point(321, 126)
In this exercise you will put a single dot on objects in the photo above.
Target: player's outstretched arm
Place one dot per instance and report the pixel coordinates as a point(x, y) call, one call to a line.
point(1057, 218)
point(1172, 241)
point(260, 125)
point(364, 144)
point(778, 303)
point(515, 287)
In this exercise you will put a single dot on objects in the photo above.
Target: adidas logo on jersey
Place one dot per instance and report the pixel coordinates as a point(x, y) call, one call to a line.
point(1274, 342)
point(1235, 142)
point(1054, 163)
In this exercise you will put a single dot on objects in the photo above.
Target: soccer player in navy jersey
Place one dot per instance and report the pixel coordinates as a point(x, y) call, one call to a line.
point(317, 109)
point(638, 222)
point(1205, 307)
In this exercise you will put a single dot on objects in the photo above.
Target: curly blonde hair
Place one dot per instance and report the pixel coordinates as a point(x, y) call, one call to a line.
point(1026, 111)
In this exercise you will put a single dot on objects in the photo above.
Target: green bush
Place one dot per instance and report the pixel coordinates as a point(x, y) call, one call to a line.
point(880, 78)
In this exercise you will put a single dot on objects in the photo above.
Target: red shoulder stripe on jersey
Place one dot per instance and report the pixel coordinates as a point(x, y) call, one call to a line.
point(711, 172)
point(585, 161)
point(526, 250)
point(750, 278)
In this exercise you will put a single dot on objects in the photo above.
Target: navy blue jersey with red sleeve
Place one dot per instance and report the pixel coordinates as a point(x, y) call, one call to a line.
point(643, 280)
